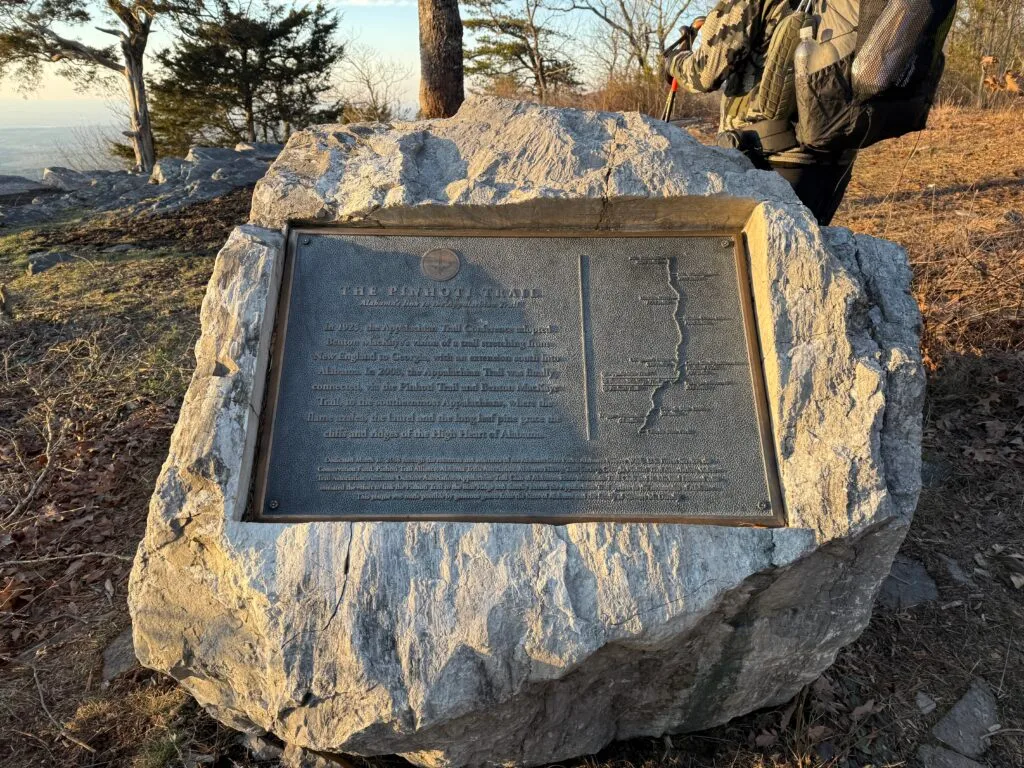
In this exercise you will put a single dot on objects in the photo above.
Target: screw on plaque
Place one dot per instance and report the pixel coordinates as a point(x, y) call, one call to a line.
point(307, 240)
point(274, 504)
point(764, 505)
point(727, 243)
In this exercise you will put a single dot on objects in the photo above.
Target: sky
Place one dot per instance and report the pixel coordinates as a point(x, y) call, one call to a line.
point(387, 26)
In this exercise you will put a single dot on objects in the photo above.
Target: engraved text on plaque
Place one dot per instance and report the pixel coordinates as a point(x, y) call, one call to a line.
point(508, 378)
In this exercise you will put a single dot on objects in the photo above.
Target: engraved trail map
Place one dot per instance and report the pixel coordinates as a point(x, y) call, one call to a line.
point(513, 378)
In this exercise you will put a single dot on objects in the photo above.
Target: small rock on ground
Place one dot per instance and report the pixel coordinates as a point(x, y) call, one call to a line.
point(260, 747)
point(908, 585)
point(937, 757)
point(925, 703)
point(966, 726)
point(40, 262)
point(119, 656)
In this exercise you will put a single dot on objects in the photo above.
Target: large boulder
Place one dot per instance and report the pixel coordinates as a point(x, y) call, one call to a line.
point(65, 179)
point(483, 644)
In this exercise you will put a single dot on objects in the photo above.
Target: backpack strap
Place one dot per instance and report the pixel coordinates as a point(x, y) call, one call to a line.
point(760, 140)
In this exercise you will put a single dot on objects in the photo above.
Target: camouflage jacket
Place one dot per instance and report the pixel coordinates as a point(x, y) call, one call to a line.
point(734, 41)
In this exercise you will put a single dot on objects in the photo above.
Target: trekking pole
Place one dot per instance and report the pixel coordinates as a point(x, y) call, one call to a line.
point(686, 39)
point(670, 102)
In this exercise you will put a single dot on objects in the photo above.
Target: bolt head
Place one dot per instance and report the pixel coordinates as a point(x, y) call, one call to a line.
point(274, 504)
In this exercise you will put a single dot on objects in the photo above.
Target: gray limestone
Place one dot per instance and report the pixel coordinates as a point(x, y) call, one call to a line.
point(907, 586)
point(966, 726)
point(262, 150)
point(937, 757)
point(44, 260)
point(15, 188)
point(65, 179)
point(119, 656)
point(471, 644)
point(925, 703)
point(205, 173)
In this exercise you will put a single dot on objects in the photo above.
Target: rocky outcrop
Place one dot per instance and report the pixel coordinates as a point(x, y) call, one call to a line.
point(17, 190)
point(496, 153)
point(205, 173)
point(458, 644)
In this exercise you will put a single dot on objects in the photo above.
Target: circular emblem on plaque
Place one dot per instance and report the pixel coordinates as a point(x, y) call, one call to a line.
point(440, 264)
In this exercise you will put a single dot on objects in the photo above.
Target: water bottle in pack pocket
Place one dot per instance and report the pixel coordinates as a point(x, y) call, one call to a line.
point(869, 71)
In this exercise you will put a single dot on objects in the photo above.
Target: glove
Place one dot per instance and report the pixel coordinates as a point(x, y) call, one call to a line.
point(670, 58)
point(682, 47)
point(674, 57)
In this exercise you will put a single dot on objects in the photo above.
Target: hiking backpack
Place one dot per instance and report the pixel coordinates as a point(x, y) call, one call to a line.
point(849, 73)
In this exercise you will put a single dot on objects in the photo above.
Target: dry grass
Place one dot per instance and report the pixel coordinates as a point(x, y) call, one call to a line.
point(98, 351)
point(952, 196)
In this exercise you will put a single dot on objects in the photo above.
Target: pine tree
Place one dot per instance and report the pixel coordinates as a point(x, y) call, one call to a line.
point(516, 40)
point(235, 74)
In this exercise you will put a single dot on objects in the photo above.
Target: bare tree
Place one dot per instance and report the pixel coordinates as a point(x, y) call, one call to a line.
point(519, 40)
point(646, 27)
point(441, 87)
point(370, 85)
point(32, 34)
point(986, 39)
point(605, 52)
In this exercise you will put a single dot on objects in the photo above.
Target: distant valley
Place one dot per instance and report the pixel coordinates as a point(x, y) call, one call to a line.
point(27, 150)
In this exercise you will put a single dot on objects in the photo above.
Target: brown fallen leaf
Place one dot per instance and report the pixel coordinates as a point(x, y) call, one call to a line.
point(10, 592)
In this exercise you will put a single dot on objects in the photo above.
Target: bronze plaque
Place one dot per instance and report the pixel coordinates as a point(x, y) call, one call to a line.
point(516, 378)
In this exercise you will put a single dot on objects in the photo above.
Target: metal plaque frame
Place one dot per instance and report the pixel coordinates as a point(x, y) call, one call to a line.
point(255, 506)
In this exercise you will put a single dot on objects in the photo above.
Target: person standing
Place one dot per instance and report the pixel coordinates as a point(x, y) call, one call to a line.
point(734, 53)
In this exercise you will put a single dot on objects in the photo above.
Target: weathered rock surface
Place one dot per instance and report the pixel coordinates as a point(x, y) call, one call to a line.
point(205, 173)
point(262, 150)
point(44, 260)
point(907, 586)
point(966, 726)
point(119, 656)
point(17, 189)
point(937, 757)
point(484, 644)
point(65, 179)
point(495, 153)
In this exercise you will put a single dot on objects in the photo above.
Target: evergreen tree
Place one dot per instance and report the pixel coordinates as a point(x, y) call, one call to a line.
point(235, 74)
point(514, 40)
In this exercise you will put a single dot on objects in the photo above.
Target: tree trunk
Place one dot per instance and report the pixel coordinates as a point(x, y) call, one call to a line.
point(441, 87)
point(141, 133)
point(250, 117)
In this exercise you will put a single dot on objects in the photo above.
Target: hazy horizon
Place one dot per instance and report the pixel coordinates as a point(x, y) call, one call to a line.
point(58, 115)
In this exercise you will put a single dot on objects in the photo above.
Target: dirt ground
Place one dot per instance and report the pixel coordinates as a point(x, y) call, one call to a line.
point(96, 354)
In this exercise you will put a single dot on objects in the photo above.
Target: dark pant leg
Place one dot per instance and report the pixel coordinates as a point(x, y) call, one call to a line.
point(820, 186)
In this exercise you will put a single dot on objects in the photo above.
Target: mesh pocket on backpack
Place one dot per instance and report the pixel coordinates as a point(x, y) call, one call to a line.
point(828, 118)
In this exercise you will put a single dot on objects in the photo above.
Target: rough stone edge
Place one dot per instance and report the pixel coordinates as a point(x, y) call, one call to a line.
point(265, 247)
point(305, 183)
